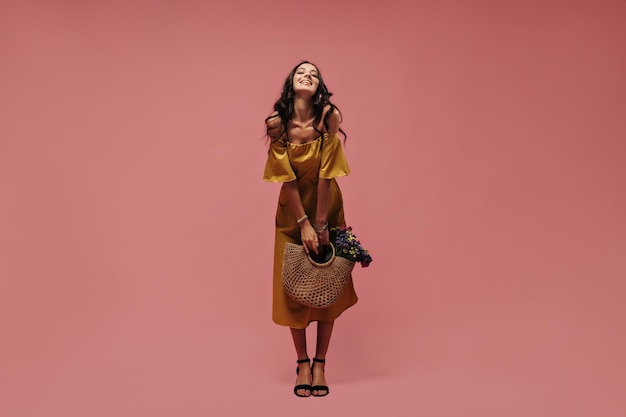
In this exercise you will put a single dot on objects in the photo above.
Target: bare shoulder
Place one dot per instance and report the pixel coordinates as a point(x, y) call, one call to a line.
point(273, 123)
point(334, 118)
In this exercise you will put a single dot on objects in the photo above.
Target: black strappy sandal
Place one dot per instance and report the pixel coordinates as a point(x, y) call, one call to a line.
point(302, 386)
point(319, 388)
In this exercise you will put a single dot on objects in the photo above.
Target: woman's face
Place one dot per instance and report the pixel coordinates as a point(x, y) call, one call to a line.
point(306, 80)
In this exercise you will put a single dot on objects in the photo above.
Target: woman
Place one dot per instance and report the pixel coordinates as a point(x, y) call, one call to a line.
point(306, 155)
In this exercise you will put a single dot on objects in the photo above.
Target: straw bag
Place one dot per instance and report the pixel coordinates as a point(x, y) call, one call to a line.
point(310, 283)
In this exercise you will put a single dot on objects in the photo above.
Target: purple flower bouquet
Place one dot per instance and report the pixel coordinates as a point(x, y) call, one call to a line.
point(348, 246)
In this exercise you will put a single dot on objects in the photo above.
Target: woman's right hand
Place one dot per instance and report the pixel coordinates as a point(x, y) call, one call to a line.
point(309, 238)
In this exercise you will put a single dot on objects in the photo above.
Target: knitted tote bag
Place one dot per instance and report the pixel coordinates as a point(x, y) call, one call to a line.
point(310, 283)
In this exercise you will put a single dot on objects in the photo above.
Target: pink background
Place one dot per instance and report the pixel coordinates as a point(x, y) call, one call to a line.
point(486, 140)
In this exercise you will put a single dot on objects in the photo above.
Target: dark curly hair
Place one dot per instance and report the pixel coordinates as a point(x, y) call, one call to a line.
point(284, 105)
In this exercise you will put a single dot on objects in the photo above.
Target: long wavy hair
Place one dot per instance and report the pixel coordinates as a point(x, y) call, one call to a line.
point(284, 105)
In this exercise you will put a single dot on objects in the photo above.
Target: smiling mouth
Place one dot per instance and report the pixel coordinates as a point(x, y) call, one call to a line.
point(306, 82)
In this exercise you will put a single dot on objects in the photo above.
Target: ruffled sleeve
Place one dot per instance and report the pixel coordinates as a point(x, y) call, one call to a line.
point(334, 163)
point(277, 167)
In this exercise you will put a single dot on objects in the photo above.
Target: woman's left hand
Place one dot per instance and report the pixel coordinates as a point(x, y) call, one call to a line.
point(323, 237)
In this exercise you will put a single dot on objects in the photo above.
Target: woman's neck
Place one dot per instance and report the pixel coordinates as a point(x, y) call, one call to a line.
point(302, 109)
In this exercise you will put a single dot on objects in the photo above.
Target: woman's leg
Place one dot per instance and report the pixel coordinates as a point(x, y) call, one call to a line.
point(324, 331)
point(304, 375)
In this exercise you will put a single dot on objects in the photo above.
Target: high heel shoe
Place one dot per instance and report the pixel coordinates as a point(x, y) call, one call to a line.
point(302, 386)
point(318, 388)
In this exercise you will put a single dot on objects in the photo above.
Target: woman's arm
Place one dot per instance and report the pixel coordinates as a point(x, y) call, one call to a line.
point(323, 186)
point(323, 197)
point(307, 233)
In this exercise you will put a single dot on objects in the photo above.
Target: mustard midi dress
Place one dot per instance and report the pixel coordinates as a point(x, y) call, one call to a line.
point(306, 163)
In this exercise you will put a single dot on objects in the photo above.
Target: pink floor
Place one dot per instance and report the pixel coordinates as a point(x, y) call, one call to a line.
point(144, 368)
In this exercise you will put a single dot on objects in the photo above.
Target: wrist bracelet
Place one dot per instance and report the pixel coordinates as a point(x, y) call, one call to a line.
point(303, 218)
point(321, 229)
